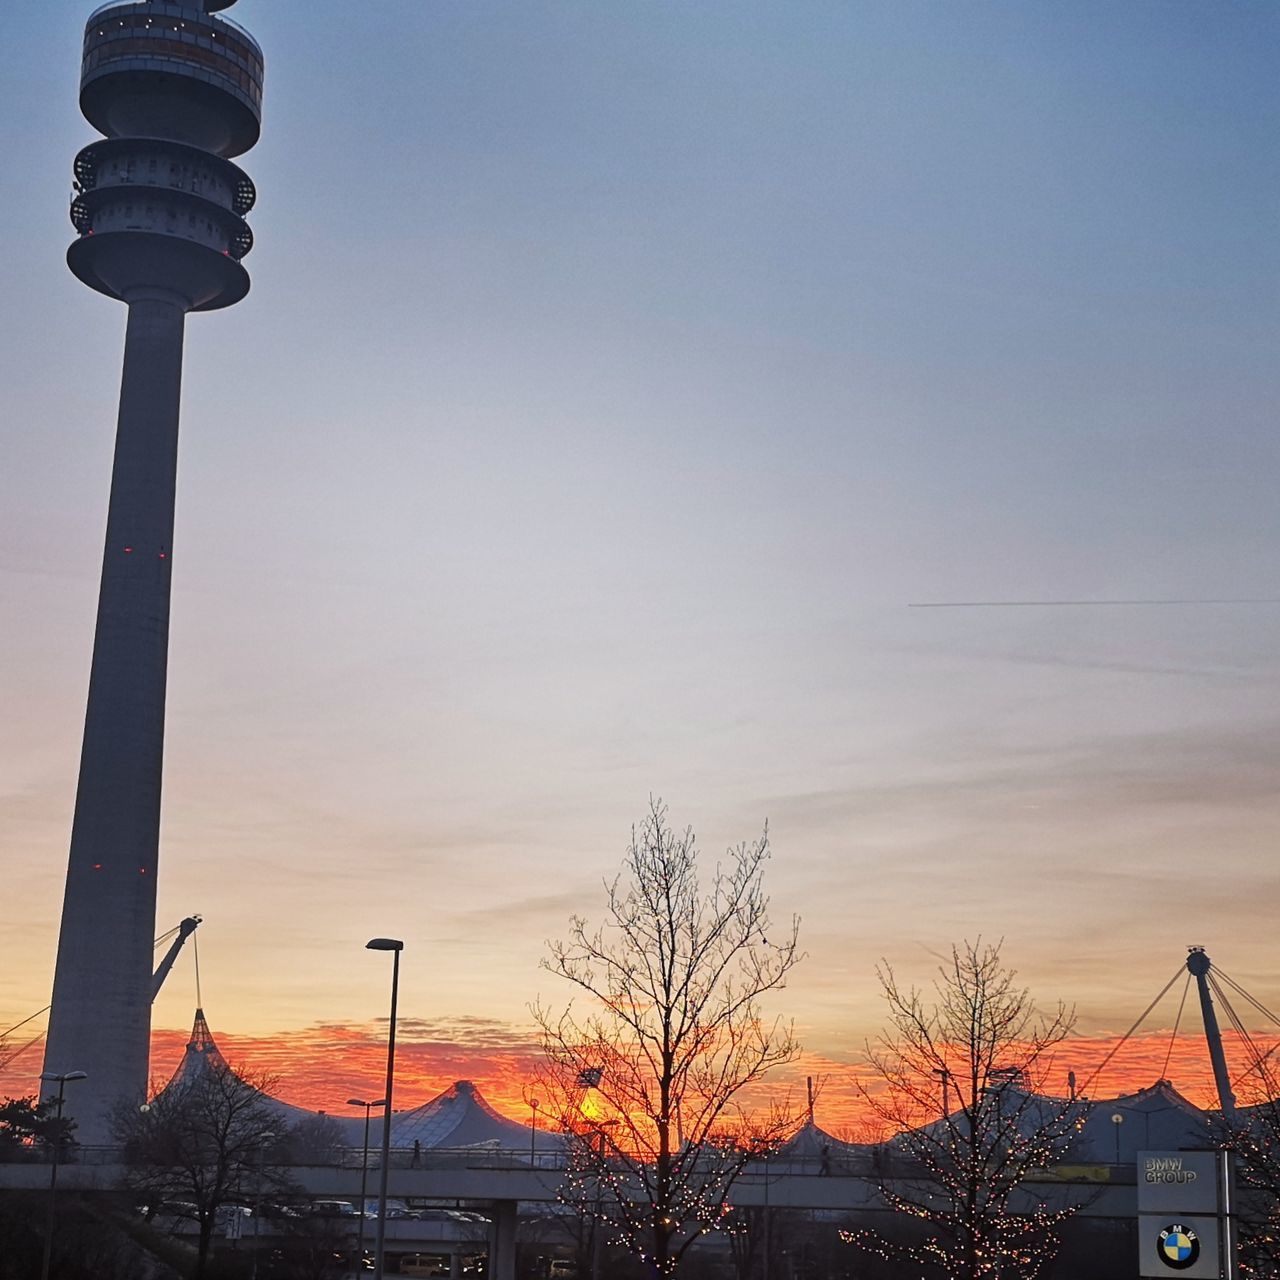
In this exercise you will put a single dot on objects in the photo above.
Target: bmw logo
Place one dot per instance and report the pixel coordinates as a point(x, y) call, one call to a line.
point(1178, 1247)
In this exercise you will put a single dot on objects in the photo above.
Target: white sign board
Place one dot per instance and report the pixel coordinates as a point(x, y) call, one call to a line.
point(1179, 1182)
point(1178, 1245)
point(1179, 1213)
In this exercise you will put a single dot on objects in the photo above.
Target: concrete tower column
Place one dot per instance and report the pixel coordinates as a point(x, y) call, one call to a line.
point(159, 208)
point(102, 984)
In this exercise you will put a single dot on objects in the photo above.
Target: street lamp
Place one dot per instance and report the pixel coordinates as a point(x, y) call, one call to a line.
point(60, 1080)
point(945, 1073)
point(597, 1234)
point(768, 1217)
point(364, 1172)
point(1117, 1119)
point(534, 1104)
point(395, 946)
point(261, 1143)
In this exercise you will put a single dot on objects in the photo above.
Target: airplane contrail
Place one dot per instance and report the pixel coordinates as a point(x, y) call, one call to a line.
point(1077, 604)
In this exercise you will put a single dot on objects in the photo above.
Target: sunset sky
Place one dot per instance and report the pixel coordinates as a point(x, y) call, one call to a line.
point(615, 377)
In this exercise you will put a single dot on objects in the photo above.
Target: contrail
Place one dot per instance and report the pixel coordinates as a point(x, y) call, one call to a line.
point(1075, 604)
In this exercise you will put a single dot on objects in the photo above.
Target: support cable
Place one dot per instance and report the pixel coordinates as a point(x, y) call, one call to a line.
point(1177, 1022)
point(17, 1053)
point(1239, 990)
point(1142, 1017)
point(1238, 1026)
point(4, 1035)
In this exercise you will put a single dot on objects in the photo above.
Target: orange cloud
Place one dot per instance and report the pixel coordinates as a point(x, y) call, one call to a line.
point(319, 1067)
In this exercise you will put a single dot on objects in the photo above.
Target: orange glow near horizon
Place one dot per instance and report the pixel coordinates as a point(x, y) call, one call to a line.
point(320, 1067)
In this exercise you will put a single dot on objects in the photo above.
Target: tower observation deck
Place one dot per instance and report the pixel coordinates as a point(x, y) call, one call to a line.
point(159, 208)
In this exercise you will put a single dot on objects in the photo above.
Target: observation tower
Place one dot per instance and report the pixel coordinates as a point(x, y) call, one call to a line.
point(159, 208)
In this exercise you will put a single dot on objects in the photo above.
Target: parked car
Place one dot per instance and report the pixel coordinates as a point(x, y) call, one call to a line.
point(334, 1209)
point(395, 1209)
point(424, 1264)
point(170, 1209)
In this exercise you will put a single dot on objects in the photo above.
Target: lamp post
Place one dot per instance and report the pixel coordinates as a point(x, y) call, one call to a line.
point(260, 1150)
point(534, 1104)
point(60, 1079)
point(597, 1234)
point(395, 946)
point(945, 1073)
point(364, 1172)
point(767, 1223)
point(1117, 1119)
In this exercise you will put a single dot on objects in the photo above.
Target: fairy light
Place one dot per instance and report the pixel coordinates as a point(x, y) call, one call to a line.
point(961, 1175)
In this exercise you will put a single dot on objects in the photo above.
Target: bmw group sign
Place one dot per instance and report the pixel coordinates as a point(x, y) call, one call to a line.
point(1179, 1203)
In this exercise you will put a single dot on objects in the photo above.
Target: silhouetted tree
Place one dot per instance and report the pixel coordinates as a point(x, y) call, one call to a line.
point(203, 1144)
point(1253, 1135)
point(88, 1243)
point(313, 1248)
point(314, 1140)
point(649, 1084)
point(28, 1125)
point(958, 1071)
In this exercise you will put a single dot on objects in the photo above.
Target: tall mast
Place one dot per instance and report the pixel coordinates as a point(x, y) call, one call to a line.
point(1199, 965)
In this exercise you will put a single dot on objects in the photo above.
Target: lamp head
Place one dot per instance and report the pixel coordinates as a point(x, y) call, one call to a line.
point(384, 944)
point(63, 1077)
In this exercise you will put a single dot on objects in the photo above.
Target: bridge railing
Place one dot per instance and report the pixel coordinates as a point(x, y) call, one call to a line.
point(480, 1155)
point(486, 1156)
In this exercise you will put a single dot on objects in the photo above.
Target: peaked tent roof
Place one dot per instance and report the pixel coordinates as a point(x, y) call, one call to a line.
point(460, 1117)
point(202, 1054)
point(812, 1147)
point(1157, 1118)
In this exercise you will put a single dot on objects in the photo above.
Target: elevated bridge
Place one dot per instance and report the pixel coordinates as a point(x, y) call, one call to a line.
point(497, 1182)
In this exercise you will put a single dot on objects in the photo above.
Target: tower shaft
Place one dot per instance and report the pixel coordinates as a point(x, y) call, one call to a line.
point(102, 985)
point(159, 210)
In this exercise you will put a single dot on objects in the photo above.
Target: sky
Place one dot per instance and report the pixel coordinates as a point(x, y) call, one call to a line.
point(615, 378)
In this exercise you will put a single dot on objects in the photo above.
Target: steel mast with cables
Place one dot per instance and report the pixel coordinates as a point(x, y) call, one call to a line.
point(1200, 967)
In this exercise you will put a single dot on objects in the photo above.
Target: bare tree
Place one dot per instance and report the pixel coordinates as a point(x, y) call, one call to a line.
point(1252, 1134)
point(315, 1139)
point(649, 1083)
point(311, 1247)
point(204, 1143)
point(959, 1071)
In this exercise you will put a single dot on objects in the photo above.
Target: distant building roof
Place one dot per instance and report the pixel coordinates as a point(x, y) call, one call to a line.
point(1157, 1118)
point(458, 1117)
